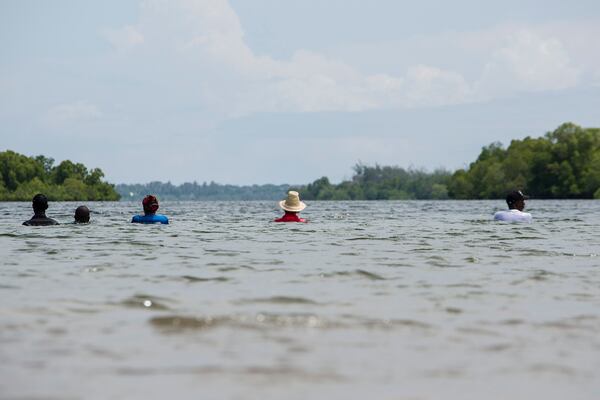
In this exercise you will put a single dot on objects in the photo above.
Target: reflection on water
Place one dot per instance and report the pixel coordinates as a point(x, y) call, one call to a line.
point(409, 300)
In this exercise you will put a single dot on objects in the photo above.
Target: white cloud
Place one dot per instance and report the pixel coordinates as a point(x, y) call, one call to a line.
point(204, 39)
point(429, 86)
point(197, 50)
point(529, 62)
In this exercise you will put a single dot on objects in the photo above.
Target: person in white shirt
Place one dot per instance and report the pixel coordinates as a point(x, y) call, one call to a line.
point(516, 204)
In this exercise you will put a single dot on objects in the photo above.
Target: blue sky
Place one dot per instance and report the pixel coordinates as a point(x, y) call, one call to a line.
point(285, 91)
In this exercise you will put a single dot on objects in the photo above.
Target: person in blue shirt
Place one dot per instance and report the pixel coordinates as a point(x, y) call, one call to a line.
point(150, 204)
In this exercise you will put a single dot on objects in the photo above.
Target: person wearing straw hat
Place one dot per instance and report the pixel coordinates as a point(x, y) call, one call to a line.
point(292, 206)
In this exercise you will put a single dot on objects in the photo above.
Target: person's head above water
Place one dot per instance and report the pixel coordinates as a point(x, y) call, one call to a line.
point(292, 203)
point(150, 204)
point(39, 203)
point(82, 215)
point(516, 200)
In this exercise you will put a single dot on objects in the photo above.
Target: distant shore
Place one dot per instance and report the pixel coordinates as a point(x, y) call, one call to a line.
point(563, 164)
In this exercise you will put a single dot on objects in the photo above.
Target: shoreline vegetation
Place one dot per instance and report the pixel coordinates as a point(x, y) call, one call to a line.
point(562, 164)
point(22, 177)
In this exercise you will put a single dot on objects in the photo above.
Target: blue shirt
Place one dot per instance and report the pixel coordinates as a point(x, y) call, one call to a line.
point(150, 219)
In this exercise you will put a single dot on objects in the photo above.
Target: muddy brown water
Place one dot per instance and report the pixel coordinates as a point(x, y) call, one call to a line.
point(385, 300)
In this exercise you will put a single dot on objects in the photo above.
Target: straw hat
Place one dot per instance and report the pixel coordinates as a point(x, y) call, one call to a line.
point(292, 203)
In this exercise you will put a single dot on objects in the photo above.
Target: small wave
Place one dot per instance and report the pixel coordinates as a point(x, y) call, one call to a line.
point(9, 235)
point(279, 371)
point(512, 322)
point(145, 302)
point(582, 322)
point(280, 300)
point(9, 287)
point(498, 347)
point(410, 323)
point(539, 276)
point(358, 272)
point(175, 322)
point(191, 278)
point(438, 261)
point(463, 285)
point(369, 275)
point(553, 369)
point(261, 321)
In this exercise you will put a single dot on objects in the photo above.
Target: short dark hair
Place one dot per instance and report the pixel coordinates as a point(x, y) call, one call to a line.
point(515, 196)
point(82, 214)
point(40, 202)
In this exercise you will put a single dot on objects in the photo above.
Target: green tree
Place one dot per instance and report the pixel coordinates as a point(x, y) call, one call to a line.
point(564, 163)
point(22, 177)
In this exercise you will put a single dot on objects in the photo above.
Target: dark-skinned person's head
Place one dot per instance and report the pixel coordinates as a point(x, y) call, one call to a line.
point(82, 215)
point(516, 200)
point(150, 204)
point(39, 203)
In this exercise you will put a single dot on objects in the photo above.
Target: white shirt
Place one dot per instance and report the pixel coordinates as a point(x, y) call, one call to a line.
point(513, 215)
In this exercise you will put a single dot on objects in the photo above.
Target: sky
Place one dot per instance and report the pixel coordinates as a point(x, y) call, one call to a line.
point(285, 91)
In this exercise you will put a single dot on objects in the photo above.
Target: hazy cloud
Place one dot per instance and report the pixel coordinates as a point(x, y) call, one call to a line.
point(529, 62)
point(73, 112)
point(183, 83)
point(208, 35)
point(205, 39)
point(124, 38)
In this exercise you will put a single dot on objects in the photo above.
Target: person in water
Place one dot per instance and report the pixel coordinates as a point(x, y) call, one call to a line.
point(40, 205)
point(150, 204)
point(516, 204)
point(82, 215)
point(292, 206)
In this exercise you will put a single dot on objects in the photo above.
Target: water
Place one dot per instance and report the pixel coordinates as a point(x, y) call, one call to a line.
point(386, 300)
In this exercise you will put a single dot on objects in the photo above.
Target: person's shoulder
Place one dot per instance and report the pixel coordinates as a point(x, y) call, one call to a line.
point(499, 215)
point(512, 216)
point(163, 219)
point(136, 219)
point(41, 222)
point(526, 215)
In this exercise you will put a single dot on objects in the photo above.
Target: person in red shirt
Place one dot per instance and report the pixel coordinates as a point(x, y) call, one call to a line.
point(292, 206)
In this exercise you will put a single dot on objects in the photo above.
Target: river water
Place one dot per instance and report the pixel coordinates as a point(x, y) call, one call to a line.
point(380, 300)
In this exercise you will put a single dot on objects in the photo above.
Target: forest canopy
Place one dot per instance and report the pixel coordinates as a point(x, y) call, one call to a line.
point(22, 177)
point(562, 164)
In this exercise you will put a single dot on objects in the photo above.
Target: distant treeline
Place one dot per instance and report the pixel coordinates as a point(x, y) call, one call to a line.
point(381, 183)
point(201, 191)
point(562, 164)
point(22, 177)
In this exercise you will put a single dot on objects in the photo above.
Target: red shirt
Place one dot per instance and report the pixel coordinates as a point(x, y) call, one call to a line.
point(290, 217)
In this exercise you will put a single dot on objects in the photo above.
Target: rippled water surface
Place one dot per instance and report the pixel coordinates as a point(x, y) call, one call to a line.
point(379, 300)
